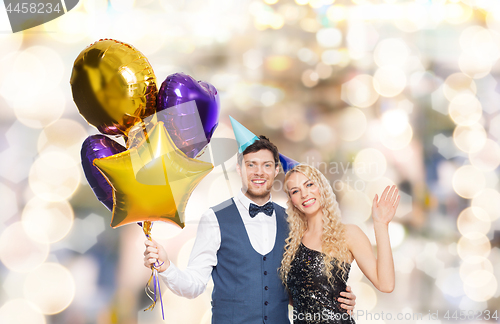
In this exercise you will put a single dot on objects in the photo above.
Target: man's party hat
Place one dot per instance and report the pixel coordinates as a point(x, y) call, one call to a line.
point(243, 136)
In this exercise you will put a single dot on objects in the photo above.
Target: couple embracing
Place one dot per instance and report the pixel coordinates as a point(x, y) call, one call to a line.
point(262, 257)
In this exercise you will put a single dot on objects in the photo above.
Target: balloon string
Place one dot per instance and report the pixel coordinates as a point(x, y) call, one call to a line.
point(146, 227)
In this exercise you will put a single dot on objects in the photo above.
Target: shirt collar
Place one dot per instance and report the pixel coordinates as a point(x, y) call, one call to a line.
point(245, 201)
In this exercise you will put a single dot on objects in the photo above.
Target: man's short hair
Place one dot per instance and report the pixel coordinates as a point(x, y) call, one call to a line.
point(263, 144)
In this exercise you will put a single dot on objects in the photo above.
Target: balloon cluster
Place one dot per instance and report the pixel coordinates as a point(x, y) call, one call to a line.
point(115, 89)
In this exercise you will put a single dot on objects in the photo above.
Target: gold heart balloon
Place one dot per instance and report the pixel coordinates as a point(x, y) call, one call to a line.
point(114, 86)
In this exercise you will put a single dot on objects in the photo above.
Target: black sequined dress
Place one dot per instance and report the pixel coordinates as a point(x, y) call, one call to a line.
point(314, 299)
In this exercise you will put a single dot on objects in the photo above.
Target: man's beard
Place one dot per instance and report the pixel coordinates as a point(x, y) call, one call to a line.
point(258, 194)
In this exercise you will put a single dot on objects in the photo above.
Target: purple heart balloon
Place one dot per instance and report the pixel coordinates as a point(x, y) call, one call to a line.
point(190, 111)
point(96, 147)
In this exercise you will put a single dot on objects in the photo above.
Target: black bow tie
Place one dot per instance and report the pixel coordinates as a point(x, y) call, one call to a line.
point(266, 209)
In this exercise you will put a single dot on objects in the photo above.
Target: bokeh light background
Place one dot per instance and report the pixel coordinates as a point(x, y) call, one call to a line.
point(372, 92)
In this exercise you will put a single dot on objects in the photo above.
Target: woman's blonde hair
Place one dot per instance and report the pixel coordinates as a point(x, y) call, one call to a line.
point(334, 246)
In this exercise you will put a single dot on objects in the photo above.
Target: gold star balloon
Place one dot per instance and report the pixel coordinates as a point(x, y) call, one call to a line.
point(114, 86)
point(153, 180)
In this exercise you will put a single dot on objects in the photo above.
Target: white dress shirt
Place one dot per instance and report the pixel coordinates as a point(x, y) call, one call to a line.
point(192, 282)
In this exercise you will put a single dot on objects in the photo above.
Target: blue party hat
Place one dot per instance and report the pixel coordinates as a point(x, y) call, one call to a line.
point(287, 163)
point(243, 136)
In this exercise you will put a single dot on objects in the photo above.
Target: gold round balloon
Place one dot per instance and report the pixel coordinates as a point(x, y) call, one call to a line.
point(114, 86)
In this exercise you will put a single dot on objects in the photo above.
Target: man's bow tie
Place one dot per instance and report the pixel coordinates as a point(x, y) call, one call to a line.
point(266, 209)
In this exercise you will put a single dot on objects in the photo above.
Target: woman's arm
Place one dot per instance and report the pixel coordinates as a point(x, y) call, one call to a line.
point(379, 270)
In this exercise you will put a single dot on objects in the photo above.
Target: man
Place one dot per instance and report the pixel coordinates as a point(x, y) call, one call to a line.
point(240, 243)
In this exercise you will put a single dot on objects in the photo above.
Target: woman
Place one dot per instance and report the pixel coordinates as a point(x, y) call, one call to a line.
point(320, 249)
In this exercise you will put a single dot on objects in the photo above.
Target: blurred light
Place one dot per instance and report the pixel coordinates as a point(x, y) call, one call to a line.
point(270, 2)
point(469, 138)
point(389, 81)
point(310, 78)
point(391, 51)
point(324, 71)
point(428, 261)
point(306, 55)
point(277, 22)
point(69, 29)
point(359, 91)
point(487, 158)
point(377, 186)
point(301, 2)
point(468, 181)
point(16, 160)
point(448, 281)
point(52, 63)
point(494, 128)
point(397, 234)
point(295, 129)
point(20, 311)
point(457, 13)
point(395, 121)
point(473, 244)
point(481, 42)
point(83, 234)
point(144, 21)
point(310, 25)
point(268, 98)
point(86, 271)
point(335, 57)
point(253, 59)
point(489, 201)
point(8, 201)
point(465, 109)
point(147, 43)
point(472, 65)
point(316, 3)
point(47, 222)
point(23, 75)
point(273, 118)
point(361, 38)
point(278, 63)
point(183, 255)
point(404, 264)
point(10, 42)
point(95, 6)
point(27, 253)
point(473, 219)
point(336, 13)
point(458, 83)
point(475, 263)
point(413, 17)
point(42, 110)
point(366, 298)
point(329, 37)
point(399, 141)
point(122, 5)
point(351, 124)
point(370, 164)
point(291, 12)
point(321, 134)
point(54, 176)
point(480, 285)
point(165, 230)
point(225, 81)
point(51, 287)
point(62, 135)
